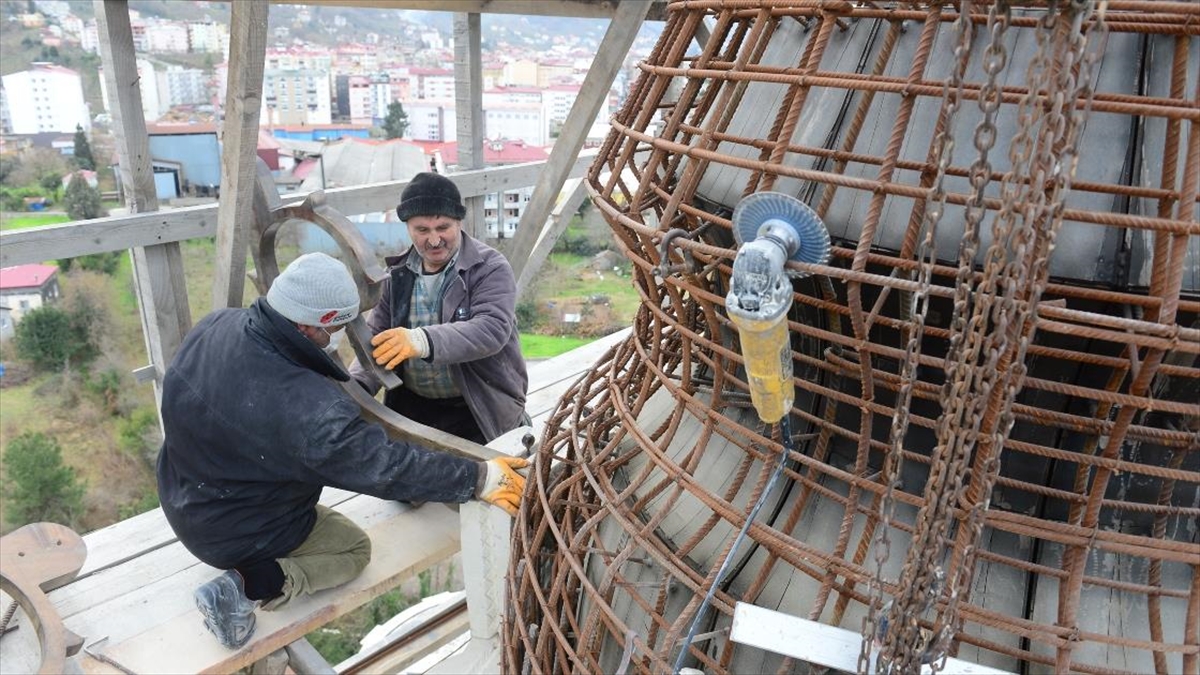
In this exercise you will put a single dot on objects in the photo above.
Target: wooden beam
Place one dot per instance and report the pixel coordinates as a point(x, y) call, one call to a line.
point(559, 219)
point(304, 658)
point(596, 86)
point(157, 269)
point(243, 99)
point(468, 109)
point(585, 9)
point(117, 233)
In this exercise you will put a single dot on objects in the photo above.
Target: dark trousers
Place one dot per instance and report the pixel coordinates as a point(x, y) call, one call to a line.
point(450, 415)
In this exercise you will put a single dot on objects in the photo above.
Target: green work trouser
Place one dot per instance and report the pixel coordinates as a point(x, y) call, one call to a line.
point(335, 552)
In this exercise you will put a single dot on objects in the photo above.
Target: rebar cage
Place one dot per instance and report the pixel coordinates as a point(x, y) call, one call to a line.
point(997, 436)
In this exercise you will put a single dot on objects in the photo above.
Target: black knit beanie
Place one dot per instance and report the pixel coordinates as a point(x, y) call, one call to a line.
point(430, 194)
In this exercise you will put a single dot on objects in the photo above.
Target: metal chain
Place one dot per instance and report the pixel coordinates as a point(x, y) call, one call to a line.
point(927, 254)
point(904, 644)
point(1053, 168)
point(998, 332)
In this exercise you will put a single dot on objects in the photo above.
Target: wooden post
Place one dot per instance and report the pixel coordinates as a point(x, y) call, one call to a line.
point(596, 85)
point(157, 270)
point(247, 51)
point(468, 109)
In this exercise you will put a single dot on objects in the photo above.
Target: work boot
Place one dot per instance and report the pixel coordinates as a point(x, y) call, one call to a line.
point(228, 613)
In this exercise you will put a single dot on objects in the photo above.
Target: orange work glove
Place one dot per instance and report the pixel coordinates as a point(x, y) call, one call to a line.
point(395, 345)
point(502, 485)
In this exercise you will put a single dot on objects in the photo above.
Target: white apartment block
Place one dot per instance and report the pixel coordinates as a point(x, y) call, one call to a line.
point(381, 95)
point(182, 86)
point(207, 37)
point(167, 37)
point(510, 95)
point(299, 59)
point(502, 211)
point(153, 105)
point(44, 98)
point(5, 118)
point(361, 104)
point(432, 83)
point(356, 59)
point(557, 101)
point(431, 120)
point(516, 121)
point(296, 97)
point(141, 40)
point(89, 39)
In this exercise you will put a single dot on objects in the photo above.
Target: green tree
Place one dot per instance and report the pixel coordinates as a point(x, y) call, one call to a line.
point(83, 150)
point(396, 122)
point(38, 486)
point(104, 263)
point(82, 200)
point(50, 339)
point(50, 182)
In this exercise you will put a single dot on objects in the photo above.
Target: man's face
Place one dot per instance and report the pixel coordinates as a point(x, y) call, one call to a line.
point(436, 239)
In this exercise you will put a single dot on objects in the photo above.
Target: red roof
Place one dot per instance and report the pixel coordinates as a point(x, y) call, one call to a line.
point(310, 127)
point(511, 152)
point(26, 276)
point(266, 141)
point(53, 68)
point(514, 90)
point(305, 167)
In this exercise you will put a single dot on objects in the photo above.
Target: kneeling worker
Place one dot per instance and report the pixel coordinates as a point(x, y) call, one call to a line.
point(256, 423)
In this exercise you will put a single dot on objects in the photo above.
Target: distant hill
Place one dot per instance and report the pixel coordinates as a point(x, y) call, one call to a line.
point(513, 29)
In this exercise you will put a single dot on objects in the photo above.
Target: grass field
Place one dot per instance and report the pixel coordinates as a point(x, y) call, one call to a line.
point(24, 221)
point(548, 346)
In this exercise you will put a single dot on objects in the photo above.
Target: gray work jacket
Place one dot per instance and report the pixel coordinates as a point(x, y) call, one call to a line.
point(477, 337)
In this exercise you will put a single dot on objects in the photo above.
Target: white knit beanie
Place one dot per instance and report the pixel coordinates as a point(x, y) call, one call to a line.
point(315, 290)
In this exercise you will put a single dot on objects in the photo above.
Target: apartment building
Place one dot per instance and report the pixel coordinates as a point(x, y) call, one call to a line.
point(167, 37)
point(430, 120)
point(207, 37)
point(433, 83)
point(5, 118)
point(361, 107)
point(50, 99)
point(296, 97)
point(183, 86)
point(516, 121)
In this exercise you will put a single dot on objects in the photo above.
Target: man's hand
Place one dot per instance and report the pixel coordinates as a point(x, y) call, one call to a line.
point(502, 485)
point(395, 345)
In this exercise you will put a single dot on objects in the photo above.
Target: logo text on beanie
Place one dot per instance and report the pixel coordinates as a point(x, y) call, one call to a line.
point(328, 316)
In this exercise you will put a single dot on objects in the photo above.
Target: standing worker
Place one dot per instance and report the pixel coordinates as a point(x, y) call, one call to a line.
point(256, 423)
point(446, 321)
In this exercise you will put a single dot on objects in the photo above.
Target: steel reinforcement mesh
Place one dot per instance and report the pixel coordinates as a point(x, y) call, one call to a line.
point(996, 446)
